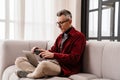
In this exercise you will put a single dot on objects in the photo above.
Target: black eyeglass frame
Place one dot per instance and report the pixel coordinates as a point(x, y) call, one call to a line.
point(62, 22)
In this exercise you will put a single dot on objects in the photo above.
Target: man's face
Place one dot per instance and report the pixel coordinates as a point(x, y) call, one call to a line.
point(63, 23)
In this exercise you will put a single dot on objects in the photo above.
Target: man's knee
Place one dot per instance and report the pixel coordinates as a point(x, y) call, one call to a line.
point(43, 64)
point(19, 60)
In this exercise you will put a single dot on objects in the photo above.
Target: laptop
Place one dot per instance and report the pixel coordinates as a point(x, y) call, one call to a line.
point(31, 57)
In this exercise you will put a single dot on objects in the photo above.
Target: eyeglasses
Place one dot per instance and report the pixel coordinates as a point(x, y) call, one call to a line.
point(62, 22)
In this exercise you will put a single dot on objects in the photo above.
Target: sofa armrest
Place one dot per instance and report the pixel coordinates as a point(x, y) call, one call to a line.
point(11, 49)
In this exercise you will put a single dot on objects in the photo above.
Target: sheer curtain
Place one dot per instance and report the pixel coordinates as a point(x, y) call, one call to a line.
point(40, 19)
point(36, 19)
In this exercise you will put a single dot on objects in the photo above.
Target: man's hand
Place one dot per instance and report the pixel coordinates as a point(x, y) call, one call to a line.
point(33, 49)
point(46, 54)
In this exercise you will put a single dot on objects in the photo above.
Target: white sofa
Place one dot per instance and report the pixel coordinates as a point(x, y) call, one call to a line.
point(101, 60)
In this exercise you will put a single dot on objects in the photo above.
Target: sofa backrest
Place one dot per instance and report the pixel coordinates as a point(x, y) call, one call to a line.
point(111, 61)
point(50, 44)
point(92, 58)
point(102, 59)
point(11, 49)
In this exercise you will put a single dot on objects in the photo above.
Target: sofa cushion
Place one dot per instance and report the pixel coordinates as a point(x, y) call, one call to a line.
point(8, 71)
point(82, 76)
point(50, 44)
point(13, 76)
point(58, 78)
point(92, 58)
point(10, 74)
point(111, 61)
point(101, 79)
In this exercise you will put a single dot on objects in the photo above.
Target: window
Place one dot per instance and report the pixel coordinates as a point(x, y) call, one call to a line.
point(101, 19)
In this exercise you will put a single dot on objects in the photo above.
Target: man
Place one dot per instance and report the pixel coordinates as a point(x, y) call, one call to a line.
point(66, 52)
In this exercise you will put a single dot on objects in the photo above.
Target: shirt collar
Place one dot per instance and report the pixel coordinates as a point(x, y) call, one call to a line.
point(66, 32)
point(70, 32)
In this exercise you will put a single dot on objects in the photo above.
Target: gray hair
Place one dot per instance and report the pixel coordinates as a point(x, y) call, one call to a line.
point(64, 12)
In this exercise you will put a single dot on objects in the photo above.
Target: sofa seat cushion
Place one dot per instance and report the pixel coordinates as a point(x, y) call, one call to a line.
point(58, 78)
point(10, 74)
point(8, 71)
point(101, 79)
point(15, 77)
point(82, 76)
